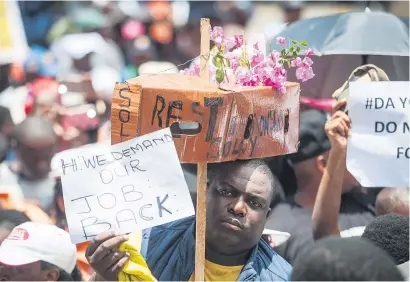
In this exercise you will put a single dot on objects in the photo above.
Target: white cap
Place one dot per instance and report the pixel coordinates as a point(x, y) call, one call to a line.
point(31, 242)
point(79, 45)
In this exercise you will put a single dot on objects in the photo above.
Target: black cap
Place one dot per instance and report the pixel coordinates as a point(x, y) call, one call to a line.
point(312, 136)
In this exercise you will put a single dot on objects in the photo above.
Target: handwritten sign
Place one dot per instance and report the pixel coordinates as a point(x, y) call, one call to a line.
point(234, 123)
point(126, 187)
point(378, 152)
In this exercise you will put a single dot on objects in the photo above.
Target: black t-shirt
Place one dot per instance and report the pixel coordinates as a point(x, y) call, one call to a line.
point(288, 216)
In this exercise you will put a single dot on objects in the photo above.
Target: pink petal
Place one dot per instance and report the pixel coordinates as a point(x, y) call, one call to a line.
point(296, 62)
point(281, 40)
point(309, 52)
point(308, 61)
point(238, 40)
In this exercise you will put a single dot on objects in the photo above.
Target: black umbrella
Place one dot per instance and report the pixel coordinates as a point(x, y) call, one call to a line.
point(345, 41)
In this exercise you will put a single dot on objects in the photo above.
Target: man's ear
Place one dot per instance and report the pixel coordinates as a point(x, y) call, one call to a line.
point(269, 211)
point(52, 274)
point(321, 163)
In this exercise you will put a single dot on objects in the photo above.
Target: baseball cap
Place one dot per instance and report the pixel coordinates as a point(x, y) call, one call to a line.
point(366, 73)
point(312, 136)
point(31, 242)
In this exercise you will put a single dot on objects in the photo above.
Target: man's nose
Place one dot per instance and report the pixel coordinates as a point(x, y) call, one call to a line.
point(238, 207)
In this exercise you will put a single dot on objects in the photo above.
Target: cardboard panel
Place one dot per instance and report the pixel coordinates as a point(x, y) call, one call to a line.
point(236, 123)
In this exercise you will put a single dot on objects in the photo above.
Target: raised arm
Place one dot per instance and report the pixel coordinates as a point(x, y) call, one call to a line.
point(325, 215)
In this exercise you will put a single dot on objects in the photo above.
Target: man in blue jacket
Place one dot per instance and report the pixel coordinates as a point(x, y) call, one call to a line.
point(239, 199)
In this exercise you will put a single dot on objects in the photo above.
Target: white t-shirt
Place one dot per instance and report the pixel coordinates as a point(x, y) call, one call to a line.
point(14, 99)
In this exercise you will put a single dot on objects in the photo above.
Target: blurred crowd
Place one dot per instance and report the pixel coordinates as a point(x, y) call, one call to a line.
point(59, 98)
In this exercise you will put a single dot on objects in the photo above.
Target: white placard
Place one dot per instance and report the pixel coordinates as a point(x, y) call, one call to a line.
point(125, 188)
point(13, 42)
point(378, 152)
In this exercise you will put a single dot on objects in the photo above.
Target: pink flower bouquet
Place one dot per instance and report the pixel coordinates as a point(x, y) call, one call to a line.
point(233, 63)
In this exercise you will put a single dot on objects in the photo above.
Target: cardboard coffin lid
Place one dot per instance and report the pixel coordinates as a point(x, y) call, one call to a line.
point(236, 122)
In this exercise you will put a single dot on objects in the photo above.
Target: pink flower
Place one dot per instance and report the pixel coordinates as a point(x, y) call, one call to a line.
point(273, 59)
point(243, 76)
point(229, 43)
point(217, 35)
point(296, 62)
point(309, 52)
point(234, 63)
point(194, 70)
point(238, 40)
point(304, 73)
point(307, 61)
point(256, 46)
point(257, 56)
point(282, 89)
point(281, 40)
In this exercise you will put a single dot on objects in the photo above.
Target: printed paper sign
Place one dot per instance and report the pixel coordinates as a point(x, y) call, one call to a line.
point(378, 152)
point(127, 187)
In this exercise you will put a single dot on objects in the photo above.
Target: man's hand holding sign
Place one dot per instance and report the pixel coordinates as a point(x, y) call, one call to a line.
point(367, 140)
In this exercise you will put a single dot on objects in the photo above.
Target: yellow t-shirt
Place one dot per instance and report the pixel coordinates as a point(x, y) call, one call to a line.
point(138, 268)
point(216, 272)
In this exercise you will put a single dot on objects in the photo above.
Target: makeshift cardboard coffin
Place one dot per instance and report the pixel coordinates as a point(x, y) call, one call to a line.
point(223, 124)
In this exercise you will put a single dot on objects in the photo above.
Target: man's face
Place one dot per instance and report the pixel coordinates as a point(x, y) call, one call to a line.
point(35, 157)
point(237, 208)
point(28, 272)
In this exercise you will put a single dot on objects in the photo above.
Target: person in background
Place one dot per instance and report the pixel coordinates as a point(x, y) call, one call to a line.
point(338, 259)
point(294, 215)
point(6, 133)
point(10, 219)
point(38, 252)
point(393, 200)
point(6, 122)
point(390, 232)
point(27, 178)
point(60, 220)
point(292, 11)
point(12, 97)
point(240, 195)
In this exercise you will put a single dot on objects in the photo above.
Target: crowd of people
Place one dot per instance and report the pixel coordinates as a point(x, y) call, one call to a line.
point(59, 98)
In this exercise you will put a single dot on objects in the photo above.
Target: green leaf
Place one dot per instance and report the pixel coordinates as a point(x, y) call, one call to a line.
point(298, 49)
point(304, 43)
point(295, 54)
point(283, 53)
point(217, 61)
point(294, 41)
point(288, 63)
point(291, 49)
point(227, 63)
point(220, 75)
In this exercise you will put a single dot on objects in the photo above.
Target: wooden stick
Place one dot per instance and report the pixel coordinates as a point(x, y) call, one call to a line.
point(202, 168)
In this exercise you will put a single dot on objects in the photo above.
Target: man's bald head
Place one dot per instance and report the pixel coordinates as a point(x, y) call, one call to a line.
point(36, 145)
point(34, 129)
point(393, 200)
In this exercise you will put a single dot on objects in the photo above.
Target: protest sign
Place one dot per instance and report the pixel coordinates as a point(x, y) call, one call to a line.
point(126, 187)
point(378, 153)
point(232, 123)
point(13, 42)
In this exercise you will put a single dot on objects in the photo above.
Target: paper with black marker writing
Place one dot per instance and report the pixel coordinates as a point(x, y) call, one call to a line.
point(127, 187)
